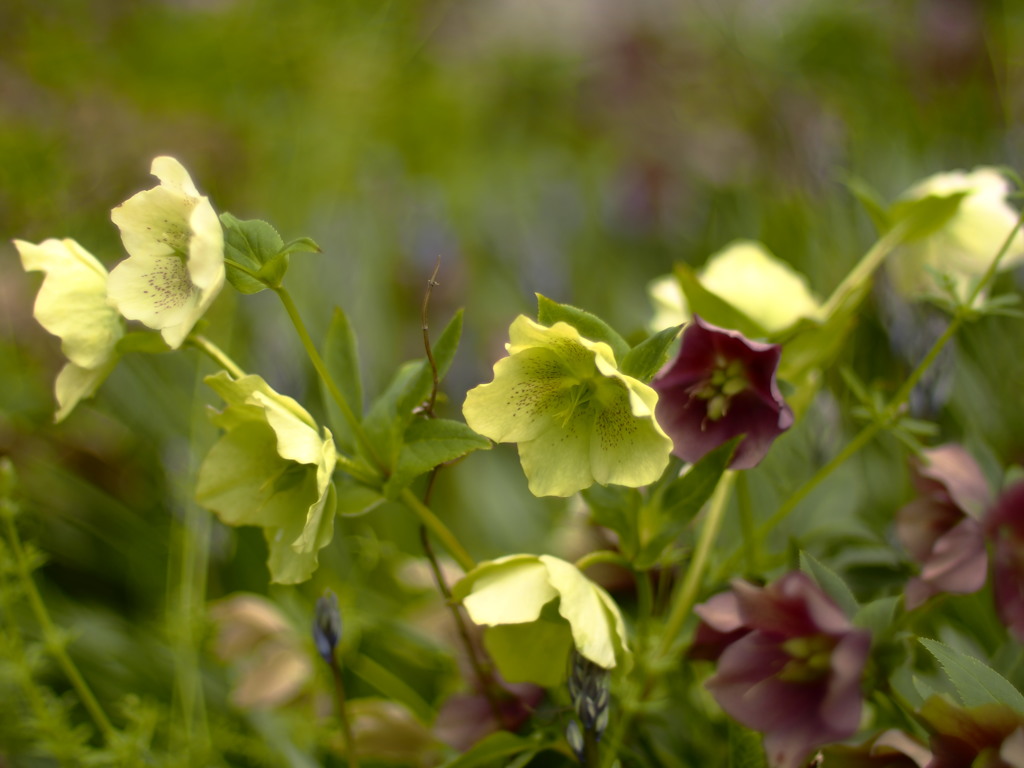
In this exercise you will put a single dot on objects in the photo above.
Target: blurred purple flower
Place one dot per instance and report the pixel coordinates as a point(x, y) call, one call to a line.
point(721, 385)
point(1005, 524)
point(940, 529)
point(795, 673)
point(991, 735)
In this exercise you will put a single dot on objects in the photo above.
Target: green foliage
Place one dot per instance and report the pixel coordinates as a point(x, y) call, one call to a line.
point(975, 682)
point(590, 326)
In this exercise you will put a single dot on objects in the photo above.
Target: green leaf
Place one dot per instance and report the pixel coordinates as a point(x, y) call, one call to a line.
point(745, 748)
point(830, 582)
point(927, 215)
point(681, 500)
point(301, 245)
point(590, 326)
point(248, 245)
point(871, 201)
point(877, 616)
point(273, 271)
point(975, 682)
point(341, 357)
point(428, 443)
point(645, 359)
point(496, 746)
point(355, 498)
point(391, 412)
point(713, 308)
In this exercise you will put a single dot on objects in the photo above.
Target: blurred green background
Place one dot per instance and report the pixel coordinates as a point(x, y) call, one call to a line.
point(575, 148)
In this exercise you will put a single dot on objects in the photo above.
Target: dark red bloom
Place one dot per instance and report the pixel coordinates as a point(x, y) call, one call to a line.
point(940, 529)
point(795, 673)
point(890, 749)
point(1005, 524)
point(991, 735)
point(719, 386)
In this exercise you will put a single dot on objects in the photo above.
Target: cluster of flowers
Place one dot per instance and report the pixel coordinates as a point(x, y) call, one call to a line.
point(789, 663)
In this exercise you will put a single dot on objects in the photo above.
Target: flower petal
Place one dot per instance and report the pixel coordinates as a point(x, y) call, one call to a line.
point(584, 610)
point(511, 590)
point(75, 384)
point(157, 291)
point(628, 446)
point(72, 302)
point(557, 461)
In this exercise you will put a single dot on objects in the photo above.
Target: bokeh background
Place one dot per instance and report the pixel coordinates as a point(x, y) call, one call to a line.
point(576, 148)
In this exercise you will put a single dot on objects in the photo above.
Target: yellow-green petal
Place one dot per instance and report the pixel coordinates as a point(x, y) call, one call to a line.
point(535, 653)
point(75, 384)
point(587, 614)
point(628, 447)
point(72, 302)
point(558, 461)
point(509, 590)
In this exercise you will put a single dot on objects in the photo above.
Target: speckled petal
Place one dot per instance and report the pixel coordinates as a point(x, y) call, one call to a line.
point(155, 291)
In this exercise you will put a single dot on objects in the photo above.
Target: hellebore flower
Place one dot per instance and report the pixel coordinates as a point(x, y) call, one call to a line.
point(175, 245)
point(989, 736)
point(749, 278)
point(965, 245)
point(794, 674)
point(1005, 523)
point(576, 419)
point(889, 749)
point(537, 608)
point(721, 385)
point(271, 468)
point(273, 664)
point(72, 304)
point(941, 528)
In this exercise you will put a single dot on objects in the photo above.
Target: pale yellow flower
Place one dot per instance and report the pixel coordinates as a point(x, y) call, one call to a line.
point(175, 244)
point(72, 304)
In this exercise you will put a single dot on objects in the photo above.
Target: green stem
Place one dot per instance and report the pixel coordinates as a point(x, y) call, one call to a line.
point(869, 262)
point(751, 542)
point(50, 635)
point(439, 529)
point(314, 356)
point(215, 353)
point(346, 726)
point(686, 595)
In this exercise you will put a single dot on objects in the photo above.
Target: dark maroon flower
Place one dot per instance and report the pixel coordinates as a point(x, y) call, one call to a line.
point(991, 735)
point(1005, 524)
point(795, 673)
point(940, 529)
point(721, 385)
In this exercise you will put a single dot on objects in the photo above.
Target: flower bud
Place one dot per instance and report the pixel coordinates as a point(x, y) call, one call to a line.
point(327, 625)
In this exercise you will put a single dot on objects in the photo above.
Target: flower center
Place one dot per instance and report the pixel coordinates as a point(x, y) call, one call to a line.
point(578, 396)
point(809, 660)
point(728, 378)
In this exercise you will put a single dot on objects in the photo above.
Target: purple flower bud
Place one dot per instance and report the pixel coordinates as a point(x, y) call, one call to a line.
point(719, 386)
point(795, 673)
point(940, 528)
point(327, 625)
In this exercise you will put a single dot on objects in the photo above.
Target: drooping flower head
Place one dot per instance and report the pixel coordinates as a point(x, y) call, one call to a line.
point(575, 417)
point(965, 245)
point(537, 608)
point(175, 245)
point(750, 279)
point(272, 468)
point(719, 386)
point(790, 665)
point(1005, 523)
point(940, 528)
point(72, 304)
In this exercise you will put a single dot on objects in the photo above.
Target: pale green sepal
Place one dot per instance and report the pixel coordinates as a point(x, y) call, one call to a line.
point(576, 418)
point(962, 237)
point(272, 469)
point(75, 384)
point(175, 245)
point(528, 603)
point(72, 301)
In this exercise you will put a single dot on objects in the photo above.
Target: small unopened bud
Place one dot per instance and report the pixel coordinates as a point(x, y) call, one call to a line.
point(327, 625)
point(590, 692)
